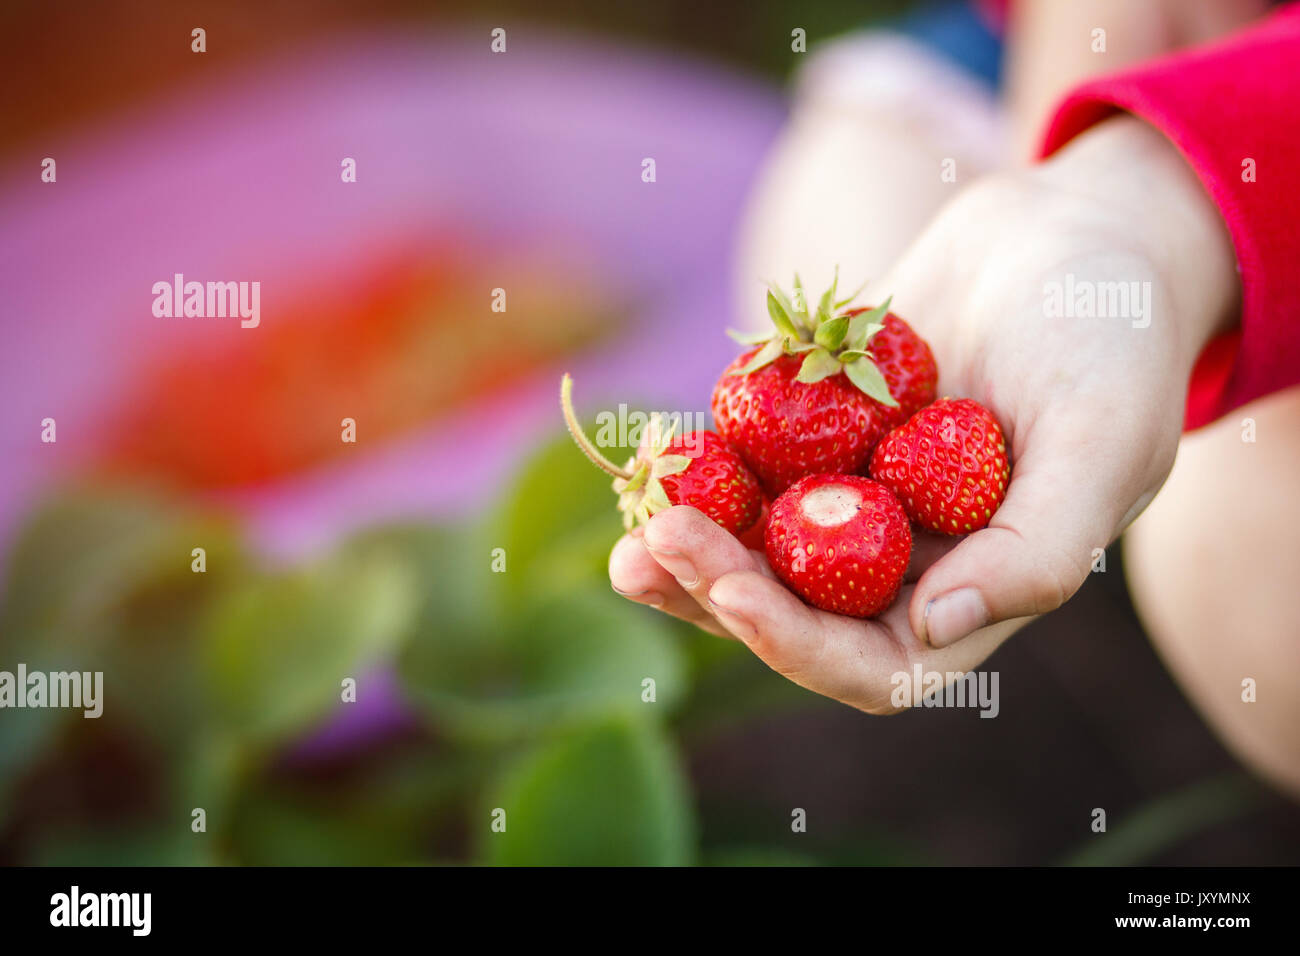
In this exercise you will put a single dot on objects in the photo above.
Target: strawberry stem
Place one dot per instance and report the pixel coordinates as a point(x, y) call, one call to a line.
point(584, 443)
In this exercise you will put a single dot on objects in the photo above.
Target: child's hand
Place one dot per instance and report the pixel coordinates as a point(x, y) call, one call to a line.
point(686, 565)
point(1092, 407)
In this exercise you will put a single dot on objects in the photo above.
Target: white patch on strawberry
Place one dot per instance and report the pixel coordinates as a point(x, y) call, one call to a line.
point(832, 505)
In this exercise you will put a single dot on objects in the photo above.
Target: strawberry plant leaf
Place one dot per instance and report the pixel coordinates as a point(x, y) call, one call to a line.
point(666, 465)
point(656, 499)
point(768, 354)
point(865, 335)
point(660, 431)
point(863, 373)
point(608, 794)
point(818, 365)
point(824, 308)
point(776, 292)
point(860, 331)
point(750, 338)
point(841, 303)
point(780, 317)
point(801, 304)
point(830, 334)
point(555, 662)
point(272, 650)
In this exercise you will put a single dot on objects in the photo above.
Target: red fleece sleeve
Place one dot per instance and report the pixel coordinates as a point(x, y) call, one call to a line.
point(1233, 110)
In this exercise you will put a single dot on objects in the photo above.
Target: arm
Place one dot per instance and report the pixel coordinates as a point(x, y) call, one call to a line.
point(1092, 410)
point(1230, 110)
point(1050, 47)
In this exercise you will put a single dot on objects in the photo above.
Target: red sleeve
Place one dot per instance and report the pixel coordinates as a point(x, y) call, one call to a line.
point(1222, 105)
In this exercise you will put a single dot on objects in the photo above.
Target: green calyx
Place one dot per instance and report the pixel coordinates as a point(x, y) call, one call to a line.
point(831, 342)
point(638, 483)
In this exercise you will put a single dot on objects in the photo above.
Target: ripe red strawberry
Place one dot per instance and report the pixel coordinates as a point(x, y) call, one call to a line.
point(789, 411)
point(908, 365)
point(840, 541)
point(698, 469)
point(947, 464)
point(755, 538)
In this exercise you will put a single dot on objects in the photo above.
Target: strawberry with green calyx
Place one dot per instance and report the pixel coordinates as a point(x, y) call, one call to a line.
point(828, 340)
point(821, 389)
point(697, 469)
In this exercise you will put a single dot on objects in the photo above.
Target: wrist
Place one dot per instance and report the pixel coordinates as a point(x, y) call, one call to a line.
point(1158, 210)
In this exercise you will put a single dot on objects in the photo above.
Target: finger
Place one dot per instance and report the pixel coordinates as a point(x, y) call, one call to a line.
point(927, 548)
point(1037, 550)
point(838, 657)
point(857, 662)
point(695, 551)
point(637, 576)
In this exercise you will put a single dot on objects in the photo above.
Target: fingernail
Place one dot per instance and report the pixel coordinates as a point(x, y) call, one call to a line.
point(952, 616)
point(652, 598)
point(736, 623)
point(678, 565)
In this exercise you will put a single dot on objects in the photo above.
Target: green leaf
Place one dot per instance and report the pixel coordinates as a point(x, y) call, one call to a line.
point(780, 317)
point(103, 581)
point(819, 364)
point(554, 528)
point(276, 825)
point(24, 736)
point(275, 651)
point(656, 499)
point(116, 845)
point(91, 569)
point(768, 354)
point(751, 856)
point(564, 659)
point(786, 305)
point(864, 374)
point(749, 338)
point(666, 465)
point(1169, 821)
point(841, 303)
point(611, 795)
point(801, 303)
point(824, 307)
point(860, 327)
point(659, 432)
point(830, 334)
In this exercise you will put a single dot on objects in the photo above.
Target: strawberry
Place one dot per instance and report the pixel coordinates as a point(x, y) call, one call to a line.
point(947, 464)
point(822, 389)
point(756, 536)
point(908, 365)
point(840, 541)
point(698, 469)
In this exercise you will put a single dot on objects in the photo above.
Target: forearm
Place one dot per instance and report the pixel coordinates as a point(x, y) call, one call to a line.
point(1051, 46)
point(1158, 211)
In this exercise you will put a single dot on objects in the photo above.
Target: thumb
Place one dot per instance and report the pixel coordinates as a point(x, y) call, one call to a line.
point(1034, 554)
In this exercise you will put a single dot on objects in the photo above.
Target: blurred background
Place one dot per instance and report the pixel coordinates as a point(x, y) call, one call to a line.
point(451, 560)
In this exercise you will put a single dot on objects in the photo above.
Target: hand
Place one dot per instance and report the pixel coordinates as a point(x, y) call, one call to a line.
point(1092, 409)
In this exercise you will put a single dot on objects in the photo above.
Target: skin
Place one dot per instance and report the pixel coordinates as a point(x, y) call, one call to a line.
point(1212, 571)
point(1092, 407)
point(1045, 58)
point(1089, 451)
